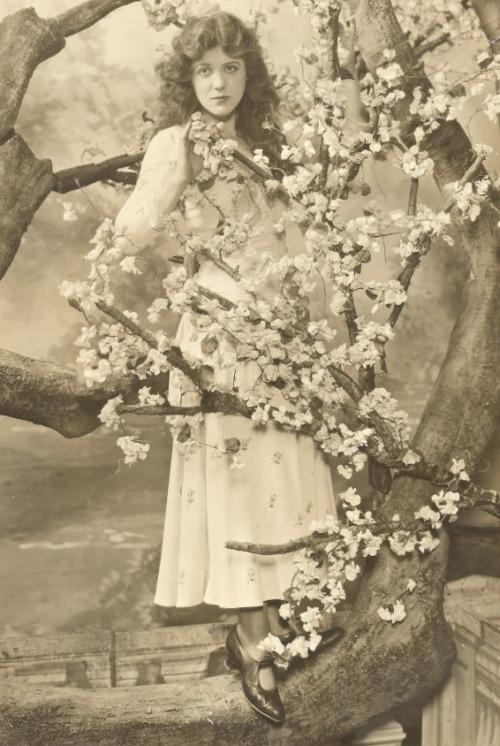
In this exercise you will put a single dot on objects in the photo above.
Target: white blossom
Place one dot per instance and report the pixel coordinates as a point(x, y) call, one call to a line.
point(132, 449)
point(69, 214)
point(108, 414)
point(393, 613)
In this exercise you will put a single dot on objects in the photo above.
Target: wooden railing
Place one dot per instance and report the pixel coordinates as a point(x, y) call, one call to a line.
point(93, 660)
point(466, 712)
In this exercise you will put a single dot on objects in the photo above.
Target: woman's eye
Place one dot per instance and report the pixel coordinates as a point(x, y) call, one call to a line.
point(203, 70)
point(231, 68)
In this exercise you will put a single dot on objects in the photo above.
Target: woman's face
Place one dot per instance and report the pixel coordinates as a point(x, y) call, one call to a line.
point(219, 82)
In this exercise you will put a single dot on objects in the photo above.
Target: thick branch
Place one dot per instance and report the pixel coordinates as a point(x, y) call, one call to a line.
point(81, 176)
point(85, 15)
point(25, 41)
point(49, 395)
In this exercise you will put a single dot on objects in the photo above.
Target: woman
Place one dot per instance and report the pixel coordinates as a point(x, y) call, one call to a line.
point(217, 69)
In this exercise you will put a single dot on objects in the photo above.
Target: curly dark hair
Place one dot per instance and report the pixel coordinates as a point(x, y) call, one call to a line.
point(260, 100)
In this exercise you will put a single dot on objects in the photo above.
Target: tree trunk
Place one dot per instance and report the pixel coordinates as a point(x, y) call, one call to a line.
point(25, 41)
point(24, 184)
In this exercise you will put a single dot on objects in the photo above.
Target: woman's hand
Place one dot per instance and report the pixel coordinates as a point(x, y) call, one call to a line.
point(188, 164)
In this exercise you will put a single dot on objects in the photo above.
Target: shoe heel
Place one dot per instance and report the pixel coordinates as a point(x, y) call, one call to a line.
point(230, 664)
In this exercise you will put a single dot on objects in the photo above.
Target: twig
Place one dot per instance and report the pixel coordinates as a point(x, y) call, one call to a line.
point(422, 49)
point(406, 274)
point(489, 502)
point(286, 332)
point(335, 29)
point(412, 199)
point(166, 409)
point(257, 170)
point(210, 402)
point(404, 278)
point(316, 541)
point(468, 176)
point(305, 542)
point(231, 271)
point(351, 316)
point(173, 354)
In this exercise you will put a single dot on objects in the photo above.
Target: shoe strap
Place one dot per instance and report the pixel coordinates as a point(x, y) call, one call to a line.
point(266, 663)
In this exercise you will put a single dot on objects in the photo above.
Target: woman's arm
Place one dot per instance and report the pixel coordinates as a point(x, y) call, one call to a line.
point(165, 173)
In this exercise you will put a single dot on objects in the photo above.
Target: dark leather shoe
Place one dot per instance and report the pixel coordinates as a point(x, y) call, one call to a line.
point(329, 638)
point(266, 702)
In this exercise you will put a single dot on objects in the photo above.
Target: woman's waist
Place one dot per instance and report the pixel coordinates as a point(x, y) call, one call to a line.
point(237, 281)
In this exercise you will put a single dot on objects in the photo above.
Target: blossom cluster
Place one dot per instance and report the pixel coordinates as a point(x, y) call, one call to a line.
point(469, 197)
point(162, 13)
point(323, 571)
point(209, 143)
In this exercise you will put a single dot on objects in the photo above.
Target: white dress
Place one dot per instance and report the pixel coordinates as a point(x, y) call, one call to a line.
point(285, 482)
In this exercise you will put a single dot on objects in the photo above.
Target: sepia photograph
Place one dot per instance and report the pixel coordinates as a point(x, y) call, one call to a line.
point(249, 372)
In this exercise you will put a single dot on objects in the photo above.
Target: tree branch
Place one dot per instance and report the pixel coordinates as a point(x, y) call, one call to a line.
point(25, 41)
point(46, 394)
point(216, 401)
point(475, 498)
point(173, 354)
point(406, 275)
point(86, 14)
point(81, 176)
point(423, 49)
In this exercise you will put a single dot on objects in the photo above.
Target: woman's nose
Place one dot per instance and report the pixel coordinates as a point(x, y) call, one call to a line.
point(218, 82)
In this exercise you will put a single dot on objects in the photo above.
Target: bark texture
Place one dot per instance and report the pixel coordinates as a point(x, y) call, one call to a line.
point(48, 395)
point(489, 17)
point(25, 41)
point(25, 182)
point(80, 176)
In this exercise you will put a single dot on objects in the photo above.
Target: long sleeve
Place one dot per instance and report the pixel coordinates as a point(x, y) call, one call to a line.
point(155, 196)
